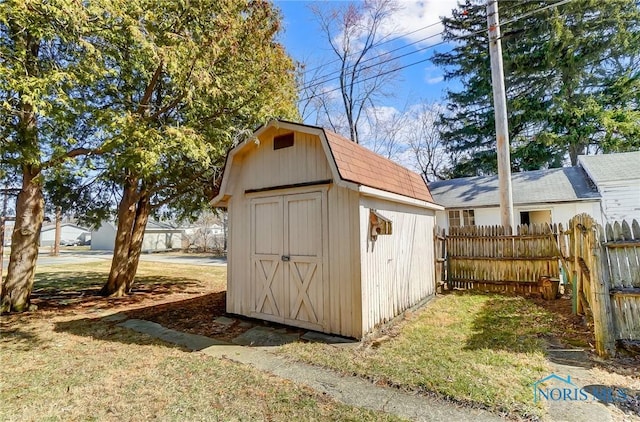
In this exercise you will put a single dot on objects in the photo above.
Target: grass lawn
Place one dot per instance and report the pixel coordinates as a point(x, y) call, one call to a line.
point(471, 348)
point(64, 363)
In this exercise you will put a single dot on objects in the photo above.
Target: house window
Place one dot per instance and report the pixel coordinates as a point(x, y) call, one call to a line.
point(283, 141)
point(454, 219)
point(458, 218)
point(468, 217)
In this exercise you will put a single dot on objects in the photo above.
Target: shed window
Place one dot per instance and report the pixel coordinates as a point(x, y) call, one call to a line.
point(283, 141)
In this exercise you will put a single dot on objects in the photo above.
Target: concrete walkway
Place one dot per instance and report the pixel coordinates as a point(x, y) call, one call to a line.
point(349, 390)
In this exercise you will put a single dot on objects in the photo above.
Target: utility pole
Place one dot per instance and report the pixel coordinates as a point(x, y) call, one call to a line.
point(502, 124)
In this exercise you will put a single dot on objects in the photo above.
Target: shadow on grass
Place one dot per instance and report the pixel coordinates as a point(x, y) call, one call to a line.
point(510, 323)
point(16, 336)
point(194, 316)
point(70, 291)
point(99, 329)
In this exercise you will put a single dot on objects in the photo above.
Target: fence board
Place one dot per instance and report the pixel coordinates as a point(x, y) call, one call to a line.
point(608, 286)
point(487, 258)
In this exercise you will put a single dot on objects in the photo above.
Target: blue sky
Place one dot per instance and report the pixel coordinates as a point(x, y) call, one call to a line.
point(418, 83)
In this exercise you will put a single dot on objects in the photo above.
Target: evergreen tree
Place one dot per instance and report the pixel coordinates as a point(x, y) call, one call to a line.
point(572, 78)
point(146, 95)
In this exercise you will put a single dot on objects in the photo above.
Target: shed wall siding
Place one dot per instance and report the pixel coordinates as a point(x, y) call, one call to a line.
point(303, 162)
point(262, 167)
point(397, 269)
point(620, 200)
point(345, 308)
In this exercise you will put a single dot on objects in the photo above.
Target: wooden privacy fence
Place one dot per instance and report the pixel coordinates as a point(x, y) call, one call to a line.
point(604, 265)
point(491, 258)
point(601, 264)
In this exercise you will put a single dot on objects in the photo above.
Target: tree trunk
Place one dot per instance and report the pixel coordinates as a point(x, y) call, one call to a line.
point(574, 151)
point(56, 241)
point(15, 293)
point(133, 214)
point(137, 236)
point(126, 215)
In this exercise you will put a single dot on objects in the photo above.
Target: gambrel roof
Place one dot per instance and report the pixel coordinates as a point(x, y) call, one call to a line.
point(360, 165)
point(353, 166)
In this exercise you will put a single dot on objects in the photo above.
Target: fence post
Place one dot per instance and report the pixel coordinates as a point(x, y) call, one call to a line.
point(601, 301)
point(576, 276)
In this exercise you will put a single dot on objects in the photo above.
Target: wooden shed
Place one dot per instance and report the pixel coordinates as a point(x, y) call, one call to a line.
point(323, 233)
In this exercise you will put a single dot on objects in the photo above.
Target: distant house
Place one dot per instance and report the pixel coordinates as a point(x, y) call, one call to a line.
point(541, 196)
point(157, 237)
point(70, 234)
point(617, 179)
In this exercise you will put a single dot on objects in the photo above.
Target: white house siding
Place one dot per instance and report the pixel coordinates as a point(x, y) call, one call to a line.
point(67, 232)
point(560, 212)
point(620, 201)
point(161, 241)
point(397, 269)
point(104, 238)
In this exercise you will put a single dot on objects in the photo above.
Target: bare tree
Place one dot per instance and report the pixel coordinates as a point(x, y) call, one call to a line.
point(430, 155)
point(363, 70)
point(207, 234)
point(387, 132)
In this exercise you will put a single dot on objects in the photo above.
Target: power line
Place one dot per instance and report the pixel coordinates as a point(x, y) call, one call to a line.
point(431, 25)
point(315, 83)
point(328, 76)
point(441, 21)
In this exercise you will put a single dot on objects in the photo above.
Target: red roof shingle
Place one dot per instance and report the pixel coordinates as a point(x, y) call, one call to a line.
point(362, 166)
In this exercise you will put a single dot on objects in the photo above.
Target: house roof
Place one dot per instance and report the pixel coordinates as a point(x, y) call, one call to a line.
point(612, 167)
point(360, 165)
point(566, 184)
point(353, 166)
point(52, 226)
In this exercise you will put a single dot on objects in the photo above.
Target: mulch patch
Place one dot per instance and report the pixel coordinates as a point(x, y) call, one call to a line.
point(195, 315)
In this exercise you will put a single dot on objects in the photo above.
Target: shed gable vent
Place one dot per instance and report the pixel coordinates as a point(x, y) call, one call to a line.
point(283, 141)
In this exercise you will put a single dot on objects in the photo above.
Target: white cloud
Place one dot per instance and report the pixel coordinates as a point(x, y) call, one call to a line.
point(414, 15)
point(435, 80)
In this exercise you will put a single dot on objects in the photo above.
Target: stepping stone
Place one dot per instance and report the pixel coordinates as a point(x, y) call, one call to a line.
point(224, 321)
point(265, 336)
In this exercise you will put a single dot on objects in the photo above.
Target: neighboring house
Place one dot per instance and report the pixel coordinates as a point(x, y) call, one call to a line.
point(617, 178)
point(204, 238)
point(541, 196)
point(70, 234)
point(157, 237)
point(324, 234)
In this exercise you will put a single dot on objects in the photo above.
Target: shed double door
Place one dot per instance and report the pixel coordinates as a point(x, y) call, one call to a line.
point(287, 279)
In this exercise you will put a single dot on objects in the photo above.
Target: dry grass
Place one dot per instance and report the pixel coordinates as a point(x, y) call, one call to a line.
point(74, 288)
point(64, 363)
